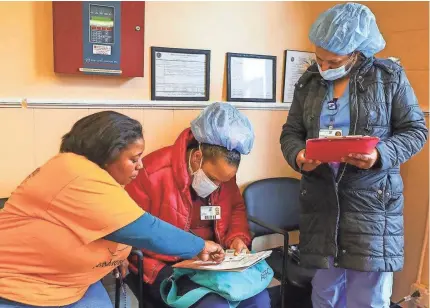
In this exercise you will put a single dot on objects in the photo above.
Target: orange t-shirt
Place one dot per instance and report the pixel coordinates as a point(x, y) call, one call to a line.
point(52, 228)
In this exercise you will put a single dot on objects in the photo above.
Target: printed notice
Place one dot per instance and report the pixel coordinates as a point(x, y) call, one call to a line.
point(180, 74)
point(296, 63)
point(102, 50)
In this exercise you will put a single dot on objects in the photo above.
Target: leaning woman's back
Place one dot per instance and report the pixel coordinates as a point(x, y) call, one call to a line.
point(52, 229)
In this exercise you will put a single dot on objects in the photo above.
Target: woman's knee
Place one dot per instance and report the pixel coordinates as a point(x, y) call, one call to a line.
point(212, 301)
point(261, 300)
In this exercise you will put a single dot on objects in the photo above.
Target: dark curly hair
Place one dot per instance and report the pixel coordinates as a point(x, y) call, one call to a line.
point(101, 136)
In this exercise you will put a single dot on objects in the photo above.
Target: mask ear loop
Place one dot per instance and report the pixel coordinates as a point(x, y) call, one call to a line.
point(189, 161)
point(201, 161)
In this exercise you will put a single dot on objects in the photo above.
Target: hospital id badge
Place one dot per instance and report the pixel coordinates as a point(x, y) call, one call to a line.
point(210, 212)
point(324, 133)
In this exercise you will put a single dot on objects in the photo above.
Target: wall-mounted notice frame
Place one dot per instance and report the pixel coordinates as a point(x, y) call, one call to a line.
point(295, 64)
point(180, 74)
point(251, 78)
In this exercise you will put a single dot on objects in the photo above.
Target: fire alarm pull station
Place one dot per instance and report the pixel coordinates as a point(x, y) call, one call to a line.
point(99, 37)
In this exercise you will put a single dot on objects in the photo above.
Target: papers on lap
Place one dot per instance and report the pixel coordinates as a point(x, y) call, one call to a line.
point(230, 264)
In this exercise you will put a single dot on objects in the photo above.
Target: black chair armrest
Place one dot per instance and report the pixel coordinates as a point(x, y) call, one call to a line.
point(139, 255)
point(285, 233)
point(266, 225)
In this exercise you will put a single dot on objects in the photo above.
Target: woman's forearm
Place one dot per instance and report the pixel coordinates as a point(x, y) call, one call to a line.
point(151, 233)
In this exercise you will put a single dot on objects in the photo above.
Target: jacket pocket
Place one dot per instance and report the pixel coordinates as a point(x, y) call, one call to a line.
point(393, 194)
point(311, 191)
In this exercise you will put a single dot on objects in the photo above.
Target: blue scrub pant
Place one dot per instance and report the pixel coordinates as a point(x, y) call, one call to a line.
point(341, 288)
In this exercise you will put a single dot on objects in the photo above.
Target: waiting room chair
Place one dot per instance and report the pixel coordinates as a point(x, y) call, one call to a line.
point(134, 282)
point(273, 208)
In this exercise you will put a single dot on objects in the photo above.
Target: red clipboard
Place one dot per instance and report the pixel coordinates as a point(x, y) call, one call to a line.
point(332, 149)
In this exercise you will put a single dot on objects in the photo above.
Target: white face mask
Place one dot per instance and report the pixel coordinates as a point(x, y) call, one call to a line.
point(335, 73)
point(201, 183)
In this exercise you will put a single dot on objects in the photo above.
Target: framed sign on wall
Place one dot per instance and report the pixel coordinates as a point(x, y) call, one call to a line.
point(180, 74)
point(295, 64)
point(251, 78)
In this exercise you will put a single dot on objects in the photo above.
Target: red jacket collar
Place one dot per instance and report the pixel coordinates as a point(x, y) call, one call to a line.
point(179, 159)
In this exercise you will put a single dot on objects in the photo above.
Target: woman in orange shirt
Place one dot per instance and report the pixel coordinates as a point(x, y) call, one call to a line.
point(70, 222)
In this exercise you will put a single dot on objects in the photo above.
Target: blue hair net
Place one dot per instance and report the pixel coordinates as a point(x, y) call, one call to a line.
point(346, 28)
point(222, 124)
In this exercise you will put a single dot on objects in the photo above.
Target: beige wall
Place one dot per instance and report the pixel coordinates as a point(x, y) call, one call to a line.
point(29, 137)
point(423, 277)
point(33, 136)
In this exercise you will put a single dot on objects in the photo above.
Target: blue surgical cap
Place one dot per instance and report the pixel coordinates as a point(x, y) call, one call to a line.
point(222, 124)
point(346, 28)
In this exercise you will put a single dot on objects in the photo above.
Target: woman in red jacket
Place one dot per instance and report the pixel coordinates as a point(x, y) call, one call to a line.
point(192, 185)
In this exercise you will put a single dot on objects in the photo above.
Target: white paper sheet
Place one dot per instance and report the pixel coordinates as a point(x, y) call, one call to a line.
point(238, 263)
point(251, 78)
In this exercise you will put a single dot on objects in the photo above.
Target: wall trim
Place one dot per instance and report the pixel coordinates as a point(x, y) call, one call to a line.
point(130, 104)
point(10, 102)
point(133, 104)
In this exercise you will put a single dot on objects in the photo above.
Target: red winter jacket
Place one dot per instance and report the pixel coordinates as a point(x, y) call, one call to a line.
point(162, 188)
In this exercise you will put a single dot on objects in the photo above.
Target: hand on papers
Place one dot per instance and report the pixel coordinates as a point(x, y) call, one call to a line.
point(231, 263)
point(362, 161)
point(306, 164)
point(238, 245)
point(212, 252)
